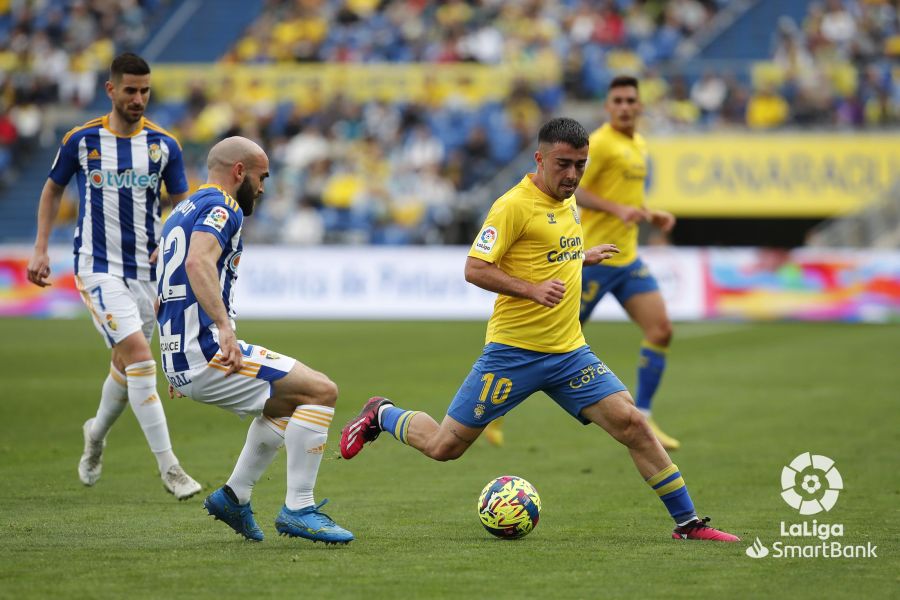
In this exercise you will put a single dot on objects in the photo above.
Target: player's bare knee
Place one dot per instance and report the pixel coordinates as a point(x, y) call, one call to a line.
point(319, 390)
point(660, 334)
point(328, 392)
point(640, 433)
point(632, 430)
point(444, 452)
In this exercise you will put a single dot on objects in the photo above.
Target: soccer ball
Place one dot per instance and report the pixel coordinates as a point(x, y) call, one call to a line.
point(509, 507)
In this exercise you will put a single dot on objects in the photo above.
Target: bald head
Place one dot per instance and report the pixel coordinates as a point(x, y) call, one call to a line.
point(239, 166)
point(230, 151)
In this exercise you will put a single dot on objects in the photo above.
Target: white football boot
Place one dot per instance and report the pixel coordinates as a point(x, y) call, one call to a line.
point(179, 483)
point(91, 462)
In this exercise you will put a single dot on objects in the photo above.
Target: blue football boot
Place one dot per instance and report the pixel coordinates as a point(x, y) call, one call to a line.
point(311, 524)
point(237, 516)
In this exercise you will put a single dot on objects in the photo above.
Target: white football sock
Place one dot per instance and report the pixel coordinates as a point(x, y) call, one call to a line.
point(264, 438)
point(305, 439)
point(113, 400)
point(148, 409)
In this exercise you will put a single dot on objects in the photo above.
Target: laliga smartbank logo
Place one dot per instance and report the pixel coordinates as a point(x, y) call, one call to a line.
point(811, 484)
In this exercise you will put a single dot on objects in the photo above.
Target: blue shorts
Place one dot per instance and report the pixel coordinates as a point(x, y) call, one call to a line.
point(503, 376)
point(624, 282)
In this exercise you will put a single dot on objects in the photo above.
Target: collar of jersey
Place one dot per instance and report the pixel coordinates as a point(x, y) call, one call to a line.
point(214, 186)
point(537, 190)
point(105, 124)
point(619, 134)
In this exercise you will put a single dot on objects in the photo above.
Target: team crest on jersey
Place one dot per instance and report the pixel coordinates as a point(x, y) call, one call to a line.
point(217, 218)
point(486, 239)
point(575, 214)
point(551, 218)
point(266, 353)
point(155, 152)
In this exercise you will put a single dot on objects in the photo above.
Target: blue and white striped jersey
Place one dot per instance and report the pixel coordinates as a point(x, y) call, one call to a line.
point(187, 335)
point(118, 187)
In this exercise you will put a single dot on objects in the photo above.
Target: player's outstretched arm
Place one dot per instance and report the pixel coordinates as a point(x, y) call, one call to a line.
point(48, 208)
point(624, 212)
point(598, 254)
point(490, 277)
point(203, 276)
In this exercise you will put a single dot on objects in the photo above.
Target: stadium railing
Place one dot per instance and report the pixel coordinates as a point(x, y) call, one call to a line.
point(875, 226)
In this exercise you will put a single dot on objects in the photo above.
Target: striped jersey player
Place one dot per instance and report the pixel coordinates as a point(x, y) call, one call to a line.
point(120, 162)
point(119, 178)
point(292, 404)
point(188, 335)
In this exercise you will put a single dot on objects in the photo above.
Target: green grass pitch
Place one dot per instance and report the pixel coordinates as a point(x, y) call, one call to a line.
point(744, 399)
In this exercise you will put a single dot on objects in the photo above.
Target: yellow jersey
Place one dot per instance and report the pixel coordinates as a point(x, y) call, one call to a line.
point(534, 237)
point(616, 170)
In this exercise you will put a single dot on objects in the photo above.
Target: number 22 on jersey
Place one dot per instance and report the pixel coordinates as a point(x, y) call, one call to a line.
point(176, 244)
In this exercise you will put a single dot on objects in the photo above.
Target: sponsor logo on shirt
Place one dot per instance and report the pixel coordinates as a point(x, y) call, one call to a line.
point(486, 239)
point(570, 249)
point(126, 179)
point(169, 344)
point(234, 261)
point(217, 218)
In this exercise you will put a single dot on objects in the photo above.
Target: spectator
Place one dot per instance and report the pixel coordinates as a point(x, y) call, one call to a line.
point(708, 93)
point(766, 110)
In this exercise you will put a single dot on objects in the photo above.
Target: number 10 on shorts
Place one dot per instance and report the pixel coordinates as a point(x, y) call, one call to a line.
point(500, 390)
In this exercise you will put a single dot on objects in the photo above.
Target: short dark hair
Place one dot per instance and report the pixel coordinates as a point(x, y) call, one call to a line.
point(129, 63)
point(623, 81)
point(565, 130)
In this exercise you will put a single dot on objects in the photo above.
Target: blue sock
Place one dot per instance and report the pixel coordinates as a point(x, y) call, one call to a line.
point(396, 421)
point(671, 489)
point(650, 371)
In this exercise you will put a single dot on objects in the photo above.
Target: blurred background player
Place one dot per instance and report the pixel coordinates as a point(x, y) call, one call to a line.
point(611, 198)
point(530, 253)
point(293, 405)
point(119, 161)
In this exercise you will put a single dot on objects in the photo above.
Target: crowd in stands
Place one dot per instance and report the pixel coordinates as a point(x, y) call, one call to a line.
point(380, 171)
point(54, 53)
point(482, 31)
point(403, 174)
point(838, 67)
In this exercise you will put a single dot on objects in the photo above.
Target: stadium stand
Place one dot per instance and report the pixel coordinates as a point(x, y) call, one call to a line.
point(398, 151)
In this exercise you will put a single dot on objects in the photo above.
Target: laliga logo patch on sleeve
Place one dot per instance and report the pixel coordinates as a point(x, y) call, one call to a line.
point(486, 239)
point(217, 218)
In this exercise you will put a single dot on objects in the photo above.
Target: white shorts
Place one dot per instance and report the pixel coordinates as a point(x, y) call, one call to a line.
point(244, 392)
point(119, 306)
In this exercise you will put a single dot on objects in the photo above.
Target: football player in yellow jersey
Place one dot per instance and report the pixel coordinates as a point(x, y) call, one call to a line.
point(530, 251)
point(611, 198)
